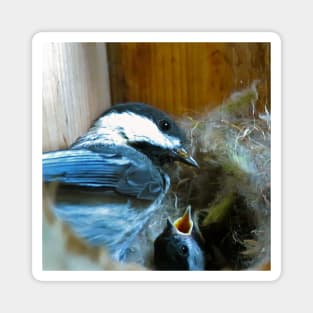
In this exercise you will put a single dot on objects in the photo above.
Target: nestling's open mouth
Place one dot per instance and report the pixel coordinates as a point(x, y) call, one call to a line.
point(184, 224)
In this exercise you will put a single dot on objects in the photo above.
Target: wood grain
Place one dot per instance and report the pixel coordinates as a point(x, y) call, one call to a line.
point(186, 78)
point(75, 90)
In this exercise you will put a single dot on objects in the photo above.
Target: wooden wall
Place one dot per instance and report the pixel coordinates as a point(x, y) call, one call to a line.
point(75, 90)
point(187, 77)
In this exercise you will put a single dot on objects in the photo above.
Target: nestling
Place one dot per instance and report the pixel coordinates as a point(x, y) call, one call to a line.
point(110, 181)
point(176, 247)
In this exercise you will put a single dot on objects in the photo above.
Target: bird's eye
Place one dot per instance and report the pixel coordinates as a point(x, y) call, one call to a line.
point(184, 249)
point(165, 125)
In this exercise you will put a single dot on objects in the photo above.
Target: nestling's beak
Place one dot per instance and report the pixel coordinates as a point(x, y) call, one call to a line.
point(182, 155)
point(184, 224)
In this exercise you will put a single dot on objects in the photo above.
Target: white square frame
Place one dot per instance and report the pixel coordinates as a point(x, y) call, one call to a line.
point(39, 39)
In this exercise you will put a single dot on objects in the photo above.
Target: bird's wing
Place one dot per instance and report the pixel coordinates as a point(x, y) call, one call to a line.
point(127, 171)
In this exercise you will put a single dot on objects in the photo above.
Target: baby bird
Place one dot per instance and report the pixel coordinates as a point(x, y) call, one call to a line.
point(176, 248)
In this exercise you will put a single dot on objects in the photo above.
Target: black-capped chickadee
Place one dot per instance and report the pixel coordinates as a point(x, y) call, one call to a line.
point(111, 180)
point(176, 248)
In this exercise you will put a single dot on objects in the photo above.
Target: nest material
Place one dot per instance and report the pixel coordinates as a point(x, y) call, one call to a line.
point(230, 193)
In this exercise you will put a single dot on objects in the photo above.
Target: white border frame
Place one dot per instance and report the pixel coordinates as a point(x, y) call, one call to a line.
point(37, 65)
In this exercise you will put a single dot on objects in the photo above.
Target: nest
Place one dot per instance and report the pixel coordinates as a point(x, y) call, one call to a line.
point(229, 194)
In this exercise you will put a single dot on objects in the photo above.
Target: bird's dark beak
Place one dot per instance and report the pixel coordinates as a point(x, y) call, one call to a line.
point(184, 224)
point(183, 156)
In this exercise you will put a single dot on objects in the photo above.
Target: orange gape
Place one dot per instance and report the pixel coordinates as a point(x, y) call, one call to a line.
point(184, 223)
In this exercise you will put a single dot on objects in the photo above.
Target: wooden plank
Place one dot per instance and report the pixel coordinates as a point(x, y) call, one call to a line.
point(184, 78)
point(75, 90)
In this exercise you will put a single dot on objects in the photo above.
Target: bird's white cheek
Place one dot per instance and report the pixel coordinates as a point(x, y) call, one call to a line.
point(173, 143)
point(135, 128)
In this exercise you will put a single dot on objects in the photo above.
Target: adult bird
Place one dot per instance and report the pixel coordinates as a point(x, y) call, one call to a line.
point(110, 181)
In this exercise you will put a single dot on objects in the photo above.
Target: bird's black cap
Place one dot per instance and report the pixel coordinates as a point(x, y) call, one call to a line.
point(160, 118)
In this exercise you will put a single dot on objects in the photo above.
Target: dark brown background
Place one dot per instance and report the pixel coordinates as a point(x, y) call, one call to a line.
point(187, 77)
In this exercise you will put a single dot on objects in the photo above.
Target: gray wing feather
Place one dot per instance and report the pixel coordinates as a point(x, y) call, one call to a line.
point(124, 170)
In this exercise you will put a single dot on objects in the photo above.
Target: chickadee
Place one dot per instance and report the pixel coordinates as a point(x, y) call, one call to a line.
point(176, 247)
point(111, 179)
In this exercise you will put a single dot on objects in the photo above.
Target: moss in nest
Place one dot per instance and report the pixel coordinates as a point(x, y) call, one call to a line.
point(226, 236)
point(230, 193)
point(241, 102)
point(218, 212)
